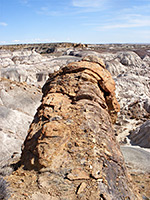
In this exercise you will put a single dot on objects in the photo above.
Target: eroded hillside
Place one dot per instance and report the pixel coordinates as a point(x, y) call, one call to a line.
point(24, 71)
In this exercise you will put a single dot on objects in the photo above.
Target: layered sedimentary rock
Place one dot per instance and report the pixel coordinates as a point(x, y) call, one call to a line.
point(18, 104)
point(71, 142)
point(29, 66)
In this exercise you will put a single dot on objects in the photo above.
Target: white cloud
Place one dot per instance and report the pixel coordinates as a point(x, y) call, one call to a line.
point(3, 24)
point(88, 3)
point(2, 42)
point(46, 11)
point(131, 24)
point(138, 9)
point(32, 40)
point(24, 1)
point(75, 7)
point(15, 41)
point(134, 17)
point(44, 8)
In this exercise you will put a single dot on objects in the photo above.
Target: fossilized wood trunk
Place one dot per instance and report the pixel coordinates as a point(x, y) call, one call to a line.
point(72, 137)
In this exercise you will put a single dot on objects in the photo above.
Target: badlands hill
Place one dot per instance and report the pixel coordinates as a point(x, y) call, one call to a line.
point(25, 68)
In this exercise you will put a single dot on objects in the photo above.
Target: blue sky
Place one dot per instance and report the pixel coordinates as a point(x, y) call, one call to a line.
point(85, 21)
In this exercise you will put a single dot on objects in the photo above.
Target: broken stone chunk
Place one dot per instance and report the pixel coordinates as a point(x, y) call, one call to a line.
point(77, 174)
point(81, 187)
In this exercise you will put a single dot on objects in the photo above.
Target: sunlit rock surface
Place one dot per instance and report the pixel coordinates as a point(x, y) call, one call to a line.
point(20, 68)
point(71, 151)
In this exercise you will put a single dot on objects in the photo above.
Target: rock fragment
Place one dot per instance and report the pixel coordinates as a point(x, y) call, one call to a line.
point(81, 187)
point(77, 174)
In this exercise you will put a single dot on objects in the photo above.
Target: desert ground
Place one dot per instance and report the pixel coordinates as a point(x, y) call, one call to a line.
point(24, 70)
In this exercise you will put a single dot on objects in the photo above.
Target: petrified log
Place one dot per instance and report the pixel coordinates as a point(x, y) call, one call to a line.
point(72, 137)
